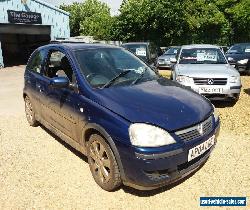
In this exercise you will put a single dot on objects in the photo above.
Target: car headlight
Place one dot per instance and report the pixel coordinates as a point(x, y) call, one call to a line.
point(244, 61)
point(216, 114)
point(144, 135)
point(230, 59)
point(234, 79)
point(184, 79)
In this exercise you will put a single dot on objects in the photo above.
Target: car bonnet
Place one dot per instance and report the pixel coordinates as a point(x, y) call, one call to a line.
point(162, 103)
point(206, 70)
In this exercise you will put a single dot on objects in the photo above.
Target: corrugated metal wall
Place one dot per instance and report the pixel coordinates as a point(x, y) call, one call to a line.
point(57, 19)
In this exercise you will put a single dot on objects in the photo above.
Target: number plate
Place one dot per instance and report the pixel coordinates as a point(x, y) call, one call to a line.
point(210, 90)
point(200, 149)
point(141, 52)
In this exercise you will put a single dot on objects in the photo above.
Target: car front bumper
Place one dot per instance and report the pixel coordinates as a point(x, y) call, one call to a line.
point(151, 171)
point(164, 65)
point(229, 91)
point(242, 68)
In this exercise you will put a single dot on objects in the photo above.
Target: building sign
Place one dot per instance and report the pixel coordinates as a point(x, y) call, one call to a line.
point(24, 17)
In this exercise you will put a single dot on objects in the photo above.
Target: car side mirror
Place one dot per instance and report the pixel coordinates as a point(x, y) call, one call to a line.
point(59, 82)
point(173, 60)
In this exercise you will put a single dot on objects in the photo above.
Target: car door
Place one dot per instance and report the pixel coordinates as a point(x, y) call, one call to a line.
point(61, 107)
point(32, 77)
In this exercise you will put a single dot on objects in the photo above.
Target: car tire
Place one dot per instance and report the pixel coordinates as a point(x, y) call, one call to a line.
point(171, 76)
point(233, 101)
point(102, 163)
point(30, 113)
point(237, 97)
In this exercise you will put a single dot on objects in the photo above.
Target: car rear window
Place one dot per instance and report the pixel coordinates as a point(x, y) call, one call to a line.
point(239, 49)
point(138, 49)
point(172, 50)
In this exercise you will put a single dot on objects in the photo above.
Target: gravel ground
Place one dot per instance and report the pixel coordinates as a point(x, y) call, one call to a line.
point(38, 171)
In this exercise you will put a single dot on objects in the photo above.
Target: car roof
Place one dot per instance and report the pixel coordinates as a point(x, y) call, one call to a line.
point(174, 47)
point(246, 43)
point(199, 46)
point(79, 46)
point(132, 43)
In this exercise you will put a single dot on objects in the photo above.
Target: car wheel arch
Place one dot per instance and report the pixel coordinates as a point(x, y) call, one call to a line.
point(25, 95)
point(93, 128)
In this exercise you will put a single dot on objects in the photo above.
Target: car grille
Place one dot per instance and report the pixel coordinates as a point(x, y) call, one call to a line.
point(192, 133)
point(210, 81)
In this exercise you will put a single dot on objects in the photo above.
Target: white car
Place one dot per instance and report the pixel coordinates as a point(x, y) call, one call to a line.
point(205, 69)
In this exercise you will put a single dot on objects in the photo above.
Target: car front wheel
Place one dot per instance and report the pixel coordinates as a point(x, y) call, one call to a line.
point(102, 163)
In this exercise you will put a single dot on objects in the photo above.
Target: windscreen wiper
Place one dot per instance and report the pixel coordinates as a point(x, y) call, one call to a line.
point(109, 83)
point(140, 77)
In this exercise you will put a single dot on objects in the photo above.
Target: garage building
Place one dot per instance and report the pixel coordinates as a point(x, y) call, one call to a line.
point(26, 25)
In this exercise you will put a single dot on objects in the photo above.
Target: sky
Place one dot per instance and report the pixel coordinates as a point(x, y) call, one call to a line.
point(113, 4)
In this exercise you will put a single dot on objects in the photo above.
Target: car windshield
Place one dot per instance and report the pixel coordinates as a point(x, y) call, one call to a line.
point(139, 50)
point(202, 56)
point(172, 50)
point(104, 67)
point(239, 49)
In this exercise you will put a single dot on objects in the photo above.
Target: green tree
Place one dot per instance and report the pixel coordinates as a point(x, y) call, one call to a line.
point(164, 22)
point(237, 13)
point(205, 23)
point(75, 17)
point(141, 20)
point(91, 18)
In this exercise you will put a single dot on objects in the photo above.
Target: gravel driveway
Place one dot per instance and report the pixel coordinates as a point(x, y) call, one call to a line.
point(38, 171)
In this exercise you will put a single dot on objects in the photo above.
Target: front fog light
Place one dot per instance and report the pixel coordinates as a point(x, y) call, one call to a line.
point(234, 79)
point(144, 135)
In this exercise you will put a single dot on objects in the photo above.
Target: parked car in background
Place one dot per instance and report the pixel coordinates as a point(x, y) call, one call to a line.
point(164, 49)
point(205, 69)
point(163, 61)
point(135, 127)
point(146, 51)
point(239, 57)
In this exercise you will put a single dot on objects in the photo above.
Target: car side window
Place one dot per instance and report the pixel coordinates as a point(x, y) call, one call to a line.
point(58, 65)
point(36, 63)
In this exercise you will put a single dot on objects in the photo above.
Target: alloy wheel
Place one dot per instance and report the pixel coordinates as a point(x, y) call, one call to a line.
point(100, 161)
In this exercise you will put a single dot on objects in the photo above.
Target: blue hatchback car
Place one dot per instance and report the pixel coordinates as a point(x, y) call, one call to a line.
point(135, 127)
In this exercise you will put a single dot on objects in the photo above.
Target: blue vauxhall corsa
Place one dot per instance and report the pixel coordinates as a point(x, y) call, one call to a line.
point(136, 127)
